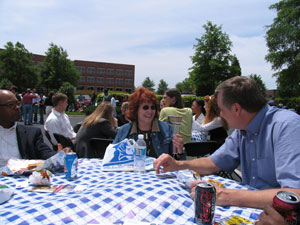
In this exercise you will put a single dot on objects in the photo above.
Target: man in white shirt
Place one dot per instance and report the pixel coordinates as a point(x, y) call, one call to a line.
point(58, 121)
point(17, 140)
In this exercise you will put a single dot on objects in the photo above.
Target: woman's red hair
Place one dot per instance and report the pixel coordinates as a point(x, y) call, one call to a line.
point(141, 95)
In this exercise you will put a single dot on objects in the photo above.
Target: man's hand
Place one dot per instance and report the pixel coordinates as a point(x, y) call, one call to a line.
point(167, 162)
point(60, 148)
point(270, 216)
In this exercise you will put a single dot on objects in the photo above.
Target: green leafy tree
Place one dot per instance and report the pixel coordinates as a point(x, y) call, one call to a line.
point(69, 90)
point(148, 83)
point(212, 62)
point(260, 84)
point(57, 69)
point(185, 86)
point(283, 41)
point(5, 83)
point(17, 67)
point(162, 87)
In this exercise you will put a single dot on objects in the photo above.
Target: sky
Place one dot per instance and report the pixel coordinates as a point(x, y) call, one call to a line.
point(157, 36)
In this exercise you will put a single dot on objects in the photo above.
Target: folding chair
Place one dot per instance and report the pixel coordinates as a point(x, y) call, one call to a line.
point(99, 146)
point(54, 147)
point(200, 149)
point(77, 126)
point(64, 141)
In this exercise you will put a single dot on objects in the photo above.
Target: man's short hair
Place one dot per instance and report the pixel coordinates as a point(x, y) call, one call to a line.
point(56, 98)
point(241, 90)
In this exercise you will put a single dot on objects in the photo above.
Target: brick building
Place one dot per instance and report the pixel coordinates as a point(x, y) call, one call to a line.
point(100, 75)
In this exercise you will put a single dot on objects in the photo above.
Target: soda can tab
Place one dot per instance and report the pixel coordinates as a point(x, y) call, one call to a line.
point(288, 205)
point(205, 203)
point(71, 165)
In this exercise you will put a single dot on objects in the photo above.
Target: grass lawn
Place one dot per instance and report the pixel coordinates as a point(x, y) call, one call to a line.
point(75, 113)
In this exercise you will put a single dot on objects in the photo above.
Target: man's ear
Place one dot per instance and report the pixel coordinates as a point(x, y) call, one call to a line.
point(237, 108)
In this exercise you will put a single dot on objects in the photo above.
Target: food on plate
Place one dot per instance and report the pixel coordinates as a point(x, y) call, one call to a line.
point(42, 177)
point(33, 165)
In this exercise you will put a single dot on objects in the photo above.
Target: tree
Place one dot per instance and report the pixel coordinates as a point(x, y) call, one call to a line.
point(283, 41)
point(4, 83)
point(69, 90)
point(148, 83)
point(162, 87)
point(16, 66)
point(57, 69)
point(261, 85)
point(212, 62)
point(185, 86)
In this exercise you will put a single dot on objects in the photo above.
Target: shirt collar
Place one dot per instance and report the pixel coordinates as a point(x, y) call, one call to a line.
point(155, 127)
point(9, 129)
point(254, 126)
point(56, 113)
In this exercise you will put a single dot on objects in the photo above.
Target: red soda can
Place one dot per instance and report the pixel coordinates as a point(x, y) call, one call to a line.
point(288, 205)
point(205, 203)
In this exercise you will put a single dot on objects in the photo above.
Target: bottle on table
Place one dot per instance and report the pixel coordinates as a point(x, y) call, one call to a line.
point(140, 155)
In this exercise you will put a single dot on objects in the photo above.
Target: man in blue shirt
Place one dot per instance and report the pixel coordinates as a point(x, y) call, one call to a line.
point(265, 143)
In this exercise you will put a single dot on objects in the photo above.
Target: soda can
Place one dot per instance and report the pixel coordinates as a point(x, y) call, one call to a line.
point(288, 205)
point(205, 203)
point(71, 165)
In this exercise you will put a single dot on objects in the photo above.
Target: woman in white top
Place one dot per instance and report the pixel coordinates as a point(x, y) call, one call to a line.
point(212, 120)
point(199, 110)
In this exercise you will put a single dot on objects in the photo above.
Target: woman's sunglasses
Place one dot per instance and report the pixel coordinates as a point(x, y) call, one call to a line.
point(146, 107)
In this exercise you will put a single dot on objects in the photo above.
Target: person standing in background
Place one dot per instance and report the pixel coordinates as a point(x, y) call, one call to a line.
point(48, 103)
point(114, 103)
point(27, 102)
point(42, 107)
point(35, 105)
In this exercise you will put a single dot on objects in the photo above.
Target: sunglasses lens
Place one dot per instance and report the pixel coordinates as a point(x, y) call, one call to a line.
point(146, 107)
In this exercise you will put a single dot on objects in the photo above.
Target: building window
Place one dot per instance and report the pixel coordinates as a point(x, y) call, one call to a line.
point(128, 90)
point(110, 71)
point(80, 69)
point(110, 80)
point(119, 81)
point(100, 71)
point(110, 89)
point(119, 72)
point(90, 88)
point(100, 89)
point(82, 79)
point(119, 89)
point(128, 73)
point(100, 80)
point(90, 79)
point(128, 82)
point(91, 70)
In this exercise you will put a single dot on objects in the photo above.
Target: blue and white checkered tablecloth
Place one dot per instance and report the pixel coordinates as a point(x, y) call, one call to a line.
point(110, 197)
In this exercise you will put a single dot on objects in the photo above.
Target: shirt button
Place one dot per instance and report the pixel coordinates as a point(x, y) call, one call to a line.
point(253, 159)
point(251, 141)
point(253, 178)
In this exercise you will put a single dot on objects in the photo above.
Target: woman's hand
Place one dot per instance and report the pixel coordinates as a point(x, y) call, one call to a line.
point(177, 144)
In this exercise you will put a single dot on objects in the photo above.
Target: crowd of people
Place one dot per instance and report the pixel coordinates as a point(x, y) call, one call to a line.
point(263, 140)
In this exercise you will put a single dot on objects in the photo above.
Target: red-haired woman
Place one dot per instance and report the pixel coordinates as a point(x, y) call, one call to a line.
point(143, 114)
